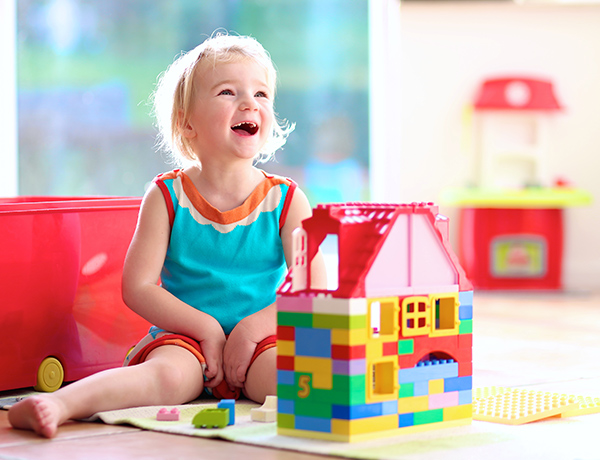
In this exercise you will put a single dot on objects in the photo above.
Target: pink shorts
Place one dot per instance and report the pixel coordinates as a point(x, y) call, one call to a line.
point(141, 351)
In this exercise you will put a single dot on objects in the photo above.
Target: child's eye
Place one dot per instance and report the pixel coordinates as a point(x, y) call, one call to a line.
point(226, 92)
point(261, 94)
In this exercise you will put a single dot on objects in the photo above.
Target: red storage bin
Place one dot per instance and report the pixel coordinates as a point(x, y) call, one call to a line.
point(61, 261)
point(512, 248)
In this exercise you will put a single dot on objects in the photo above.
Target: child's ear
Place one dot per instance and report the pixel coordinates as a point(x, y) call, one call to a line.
point(184, 126)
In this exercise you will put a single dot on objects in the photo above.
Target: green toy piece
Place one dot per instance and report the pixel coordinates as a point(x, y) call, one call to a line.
point(211, 418)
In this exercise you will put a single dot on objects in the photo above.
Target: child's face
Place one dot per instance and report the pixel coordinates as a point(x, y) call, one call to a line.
point(232, 111)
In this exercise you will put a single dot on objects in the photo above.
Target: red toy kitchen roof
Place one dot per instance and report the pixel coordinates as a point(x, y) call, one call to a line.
point(516, 93)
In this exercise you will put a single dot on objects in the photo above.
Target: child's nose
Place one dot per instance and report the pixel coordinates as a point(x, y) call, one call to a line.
point(248, 103)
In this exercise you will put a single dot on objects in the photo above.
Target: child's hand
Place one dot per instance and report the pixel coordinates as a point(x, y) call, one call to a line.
point(237, 355)
point(212, 350)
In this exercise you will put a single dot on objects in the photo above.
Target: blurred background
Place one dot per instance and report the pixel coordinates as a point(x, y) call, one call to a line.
point(381, 92)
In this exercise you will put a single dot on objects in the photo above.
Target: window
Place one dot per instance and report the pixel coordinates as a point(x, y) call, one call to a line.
point(444, 314)
point(383, 318)
point(384, 385)
point(415, 316)
point(436, 315)
point(300, 262)
point(331, 255)
point(86, 70)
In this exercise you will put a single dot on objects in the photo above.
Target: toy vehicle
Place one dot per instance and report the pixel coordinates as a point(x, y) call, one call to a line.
point(60, 277)
point(211, 418)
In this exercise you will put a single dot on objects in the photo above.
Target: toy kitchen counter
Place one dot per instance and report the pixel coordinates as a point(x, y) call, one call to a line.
point(513, 239)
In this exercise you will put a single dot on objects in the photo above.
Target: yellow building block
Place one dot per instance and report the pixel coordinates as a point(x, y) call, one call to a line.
point(436, 386)
point(286, 347)
point(321, 369)
point(360, 437)
point(521, 406)
point(458, 412)
point(348, 336)
point(587, 405)
point(486, 392)
point(364, 425)
point(374, 351)
point(413, 404)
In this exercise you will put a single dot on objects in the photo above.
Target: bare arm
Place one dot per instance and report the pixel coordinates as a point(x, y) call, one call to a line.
point(143, 295)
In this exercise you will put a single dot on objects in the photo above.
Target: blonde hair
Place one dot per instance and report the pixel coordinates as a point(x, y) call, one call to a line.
point(175, 90)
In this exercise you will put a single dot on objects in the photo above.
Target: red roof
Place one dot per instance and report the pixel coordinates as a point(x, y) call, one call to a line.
point(516, 93)
point(362, 229)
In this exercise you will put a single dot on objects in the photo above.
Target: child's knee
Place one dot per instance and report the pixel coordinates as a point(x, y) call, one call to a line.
point(177, 373)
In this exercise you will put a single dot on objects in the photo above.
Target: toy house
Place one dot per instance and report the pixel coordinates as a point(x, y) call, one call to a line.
point(388, 349)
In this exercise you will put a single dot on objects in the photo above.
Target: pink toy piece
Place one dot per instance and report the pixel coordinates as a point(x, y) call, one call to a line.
point(166, 415)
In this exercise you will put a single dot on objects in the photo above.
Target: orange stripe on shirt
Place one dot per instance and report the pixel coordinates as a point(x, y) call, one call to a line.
point(234, 215)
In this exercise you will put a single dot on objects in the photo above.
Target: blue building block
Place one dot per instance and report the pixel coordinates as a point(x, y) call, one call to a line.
point(285, 377)
point(405, 420)
point(228, 404)
point(429, 370)
point(358, 411)
point(285, 406)
point(465, 312)
point(389, 407)
point(458, 384)
point(302, 422)
point(465, 297)
point(465, 397)
point(313, 342)
point(421, 388)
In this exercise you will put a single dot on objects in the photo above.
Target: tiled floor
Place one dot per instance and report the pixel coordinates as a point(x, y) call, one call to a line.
point(547, 341)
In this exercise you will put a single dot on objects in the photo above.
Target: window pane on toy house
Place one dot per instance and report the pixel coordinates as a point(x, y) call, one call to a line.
point(330, 250)
point(86, 71)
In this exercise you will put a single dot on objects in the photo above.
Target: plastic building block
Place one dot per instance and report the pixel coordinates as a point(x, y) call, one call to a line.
point(363, 359)
point(228, 404)
point(166, 415)
point(211, 418)
point(61, 265)
point(486, 392)
point(517, 407)
point(585, 404)
point(267, 412)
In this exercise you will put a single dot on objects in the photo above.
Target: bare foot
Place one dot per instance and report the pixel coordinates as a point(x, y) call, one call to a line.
point(42, 414)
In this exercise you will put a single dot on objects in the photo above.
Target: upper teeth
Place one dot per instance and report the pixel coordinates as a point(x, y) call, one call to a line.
point(239, 125)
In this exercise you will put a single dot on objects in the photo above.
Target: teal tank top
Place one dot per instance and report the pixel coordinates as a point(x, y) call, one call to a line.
point(226, 264)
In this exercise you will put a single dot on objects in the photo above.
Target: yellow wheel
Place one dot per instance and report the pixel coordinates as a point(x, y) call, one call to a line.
point(50, 375)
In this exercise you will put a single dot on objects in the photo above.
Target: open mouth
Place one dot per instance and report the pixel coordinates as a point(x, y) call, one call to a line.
point(245, 128)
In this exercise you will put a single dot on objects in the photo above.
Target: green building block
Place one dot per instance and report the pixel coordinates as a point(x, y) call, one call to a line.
point(288, 318)
point(406, 347)
point(465, 326)
point(429, 416)
point(312, 409)
point(324, 321)
point(211, 418)
point(285, 421)
point(407, 390)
